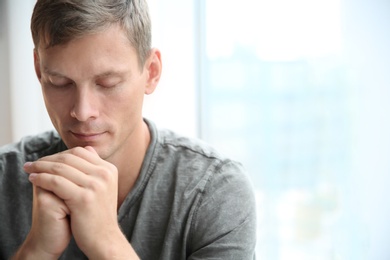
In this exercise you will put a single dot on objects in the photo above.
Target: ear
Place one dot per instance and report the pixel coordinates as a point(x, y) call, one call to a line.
point(37, 64)
point(153, 67)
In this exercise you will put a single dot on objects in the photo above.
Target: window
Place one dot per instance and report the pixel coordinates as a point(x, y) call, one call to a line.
point(280, 93)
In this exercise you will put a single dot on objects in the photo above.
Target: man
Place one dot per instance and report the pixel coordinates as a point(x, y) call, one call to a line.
point(107, 184)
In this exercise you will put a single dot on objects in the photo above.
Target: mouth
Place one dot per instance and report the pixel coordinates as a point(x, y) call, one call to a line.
point(87, 137)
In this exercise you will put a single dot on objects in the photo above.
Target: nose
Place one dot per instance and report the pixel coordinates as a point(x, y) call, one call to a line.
point(85, 105)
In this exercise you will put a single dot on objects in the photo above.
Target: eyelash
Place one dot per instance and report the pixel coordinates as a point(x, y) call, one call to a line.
point(111, 86)
point(60, 86)
point(105, 86)
point(71, 84)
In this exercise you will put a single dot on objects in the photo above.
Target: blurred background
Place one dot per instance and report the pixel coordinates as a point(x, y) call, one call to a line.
point(297, 90)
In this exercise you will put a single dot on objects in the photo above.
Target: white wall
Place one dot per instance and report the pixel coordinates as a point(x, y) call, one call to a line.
point(174, 103)
point(5, 118)
point(23, 107)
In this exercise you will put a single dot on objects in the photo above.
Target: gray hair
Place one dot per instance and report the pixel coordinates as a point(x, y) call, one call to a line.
point(56, 22)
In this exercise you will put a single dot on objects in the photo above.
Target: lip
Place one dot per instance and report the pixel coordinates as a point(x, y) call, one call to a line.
point(87, 137)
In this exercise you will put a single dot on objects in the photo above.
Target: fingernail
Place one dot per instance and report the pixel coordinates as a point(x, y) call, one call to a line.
point(32, 176)
point(27, 164)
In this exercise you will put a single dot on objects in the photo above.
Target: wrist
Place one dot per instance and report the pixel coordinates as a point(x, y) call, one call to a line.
point(116, 247)
point(29, 251)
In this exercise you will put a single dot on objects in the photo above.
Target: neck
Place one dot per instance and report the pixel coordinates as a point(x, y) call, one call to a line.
point(130, 163)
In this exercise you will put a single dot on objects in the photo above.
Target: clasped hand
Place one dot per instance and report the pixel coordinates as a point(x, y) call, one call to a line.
point(74, 193)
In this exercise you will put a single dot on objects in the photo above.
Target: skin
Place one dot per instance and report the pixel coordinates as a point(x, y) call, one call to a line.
point(93, 89)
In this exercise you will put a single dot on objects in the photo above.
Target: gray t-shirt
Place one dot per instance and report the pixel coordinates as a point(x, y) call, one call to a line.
point(189, 202)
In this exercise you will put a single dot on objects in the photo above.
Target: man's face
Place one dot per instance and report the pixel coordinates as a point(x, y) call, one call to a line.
point(93, 89)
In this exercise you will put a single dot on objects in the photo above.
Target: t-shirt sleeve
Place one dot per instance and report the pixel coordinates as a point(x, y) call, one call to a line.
point(224, 226)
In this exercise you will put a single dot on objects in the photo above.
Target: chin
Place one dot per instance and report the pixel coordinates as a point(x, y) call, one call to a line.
point(102, 152)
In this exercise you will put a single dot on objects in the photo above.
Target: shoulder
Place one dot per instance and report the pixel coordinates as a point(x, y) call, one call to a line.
point(196, 164)
point(216, 175)
point(225, 211)
point(13, 156)
point(197, 158)
point(195, 152)
point(32, 147)
point(172, 140)
point(205, 189)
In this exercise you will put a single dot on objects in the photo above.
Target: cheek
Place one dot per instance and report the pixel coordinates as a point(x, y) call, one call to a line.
point(53, 96)
point(129, 101)
point(56, 105)
point(127, 107)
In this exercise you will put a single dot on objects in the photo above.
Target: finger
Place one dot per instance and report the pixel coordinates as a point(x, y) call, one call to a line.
point(88, 154)
point(46, 200)
point(70, 172)
point(50, 229)
point(61, 187)
point(77, 165)
point(80, 152)
point(90, 148)
point(62, 164)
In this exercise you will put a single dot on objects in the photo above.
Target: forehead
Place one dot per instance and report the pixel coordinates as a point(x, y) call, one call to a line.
point(102, 52)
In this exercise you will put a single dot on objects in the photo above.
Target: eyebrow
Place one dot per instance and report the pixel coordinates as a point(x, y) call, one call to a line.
point(53, 73)
point(110, 73)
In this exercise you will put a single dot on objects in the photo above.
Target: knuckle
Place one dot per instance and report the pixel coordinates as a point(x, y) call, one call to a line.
point(87, 198)
point(44, 200)
point(57, 168)
point(113, 169)
point(95, 185)
point(61, 158)
point(104, 173)
point(55, 181)
point(77, 151)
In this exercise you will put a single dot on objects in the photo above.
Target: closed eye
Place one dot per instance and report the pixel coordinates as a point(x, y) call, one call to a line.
point(61, 85)
point(109, 83)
